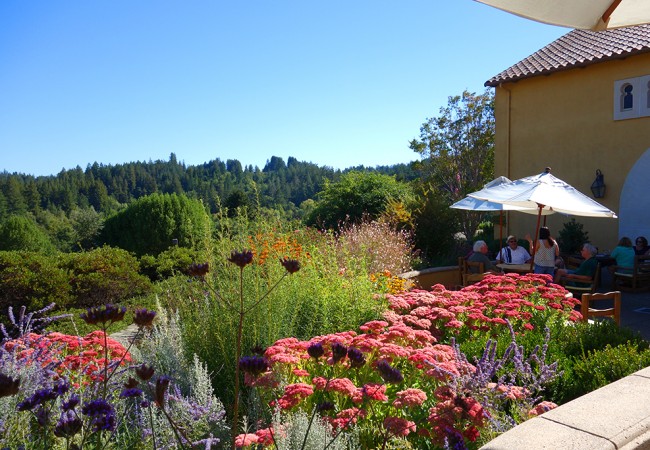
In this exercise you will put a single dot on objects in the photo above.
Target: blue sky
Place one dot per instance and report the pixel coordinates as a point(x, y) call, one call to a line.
point(338, 83)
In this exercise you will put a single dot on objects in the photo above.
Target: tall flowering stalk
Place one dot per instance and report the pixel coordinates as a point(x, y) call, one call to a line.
point(241, 308)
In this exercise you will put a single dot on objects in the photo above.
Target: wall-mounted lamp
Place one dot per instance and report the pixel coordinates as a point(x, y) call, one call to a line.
point(598, 186)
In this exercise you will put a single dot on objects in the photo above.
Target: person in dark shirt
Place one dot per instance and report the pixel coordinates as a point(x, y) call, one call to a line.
point(480, 255)
point(641, 246)
point(585, 272)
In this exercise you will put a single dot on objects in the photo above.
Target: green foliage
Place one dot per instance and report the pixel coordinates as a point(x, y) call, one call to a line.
point(598, 368)
point(104, 275)
point(572, 237)
point(33, 280)
point(22, 233)
point(169, 263)
point(357, 195)
point(457, 148)
point(327, 294)
point(435, 227)
point(150, 224)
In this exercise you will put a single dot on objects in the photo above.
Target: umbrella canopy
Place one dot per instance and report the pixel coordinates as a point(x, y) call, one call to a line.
point(585, 14)
point(471, 203)
point(544, 192)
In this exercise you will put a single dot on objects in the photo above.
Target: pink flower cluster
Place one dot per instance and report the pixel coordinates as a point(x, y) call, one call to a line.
point(80, 358)
point(483, 306)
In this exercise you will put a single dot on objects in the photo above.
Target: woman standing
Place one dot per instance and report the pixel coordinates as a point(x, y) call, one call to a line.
point(545, 252)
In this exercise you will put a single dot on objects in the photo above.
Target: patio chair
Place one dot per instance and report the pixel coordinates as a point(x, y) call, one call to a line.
point(472, 276)
point(636, 279)
point(614, 312)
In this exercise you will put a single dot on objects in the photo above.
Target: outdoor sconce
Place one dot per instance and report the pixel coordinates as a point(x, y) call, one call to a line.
point(598, 186)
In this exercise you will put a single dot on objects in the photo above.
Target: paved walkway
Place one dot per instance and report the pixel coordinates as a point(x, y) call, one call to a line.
point(635, 307)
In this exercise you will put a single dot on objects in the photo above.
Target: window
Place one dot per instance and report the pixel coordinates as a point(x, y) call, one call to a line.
point(632, 98)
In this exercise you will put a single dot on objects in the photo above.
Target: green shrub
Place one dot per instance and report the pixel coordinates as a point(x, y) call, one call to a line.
point(32, 279)
point(104, 275)
point(150, 224)
point(169, 263)
point(598, 368)
point(572, 237)
point(23, 233)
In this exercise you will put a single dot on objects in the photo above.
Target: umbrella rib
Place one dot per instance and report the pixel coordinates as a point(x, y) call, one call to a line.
point(609, 11)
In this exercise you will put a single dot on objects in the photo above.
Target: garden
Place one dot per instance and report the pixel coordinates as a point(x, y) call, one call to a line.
point(276, 335)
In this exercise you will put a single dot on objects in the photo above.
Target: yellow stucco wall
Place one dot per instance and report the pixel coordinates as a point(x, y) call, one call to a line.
point(565, 120)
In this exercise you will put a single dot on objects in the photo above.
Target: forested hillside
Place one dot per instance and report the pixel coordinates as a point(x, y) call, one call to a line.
point(279, 185)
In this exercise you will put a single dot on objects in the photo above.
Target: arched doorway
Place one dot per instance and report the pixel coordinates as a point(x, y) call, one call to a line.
point(634, 214)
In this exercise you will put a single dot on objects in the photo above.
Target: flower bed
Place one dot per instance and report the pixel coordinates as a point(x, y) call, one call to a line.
point(405, 378)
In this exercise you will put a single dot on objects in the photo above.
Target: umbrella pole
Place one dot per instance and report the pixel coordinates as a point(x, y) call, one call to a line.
point(500, 233)
point(539, 216)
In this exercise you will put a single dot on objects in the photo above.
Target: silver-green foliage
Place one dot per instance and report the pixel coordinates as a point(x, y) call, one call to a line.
point(300, 431)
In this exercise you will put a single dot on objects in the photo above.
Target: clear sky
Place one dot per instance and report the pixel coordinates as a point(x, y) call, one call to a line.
point(339, 83)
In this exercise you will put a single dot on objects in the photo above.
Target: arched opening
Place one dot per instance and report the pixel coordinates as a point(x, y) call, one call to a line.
point(634, 213)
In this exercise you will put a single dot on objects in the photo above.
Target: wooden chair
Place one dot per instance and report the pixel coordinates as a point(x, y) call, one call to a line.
point(614, 312)
point(470, 276)
point(637, 279)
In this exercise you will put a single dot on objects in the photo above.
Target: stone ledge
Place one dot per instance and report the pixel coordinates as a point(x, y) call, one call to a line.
point(616, 416)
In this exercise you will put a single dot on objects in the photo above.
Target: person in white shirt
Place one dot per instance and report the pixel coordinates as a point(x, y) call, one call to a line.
point(513, 253)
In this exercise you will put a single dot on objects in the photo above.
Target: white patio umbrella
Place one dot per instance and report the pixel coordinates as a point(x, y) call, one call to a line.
point(470, 203)
point(585, 14)
point(544, 192)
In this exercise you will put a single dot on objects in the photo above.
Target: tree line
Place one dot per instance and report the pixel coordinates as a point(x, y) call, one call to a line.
point(75, 207)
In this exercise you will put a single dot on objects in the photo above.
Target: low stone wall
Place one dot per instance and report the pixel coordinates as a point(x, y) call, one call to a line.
point(448, 276)
point(616, 416)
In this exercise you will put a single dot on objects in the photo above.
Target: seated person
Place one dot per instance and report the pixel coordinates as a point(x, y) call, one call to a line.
point(641, 247)
point(513, 253)
point(584, 274)
point(480, 255)
point(624, 256)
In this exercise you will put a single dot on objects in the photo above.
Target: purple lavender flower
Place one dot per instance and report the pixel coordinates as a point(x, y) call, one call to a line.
point(68, 425)
point(315, 350)
point(8, 386)
point(325, 406)
point(103, 315)
point(241, 259)
point(356, 357)
point(144, 317)
point(255, 365)
point(72, 402)
point(42, 416)
point(130, 393)
point(338, 351)
point(38, 398)
point(388, 373)
point(101, 413)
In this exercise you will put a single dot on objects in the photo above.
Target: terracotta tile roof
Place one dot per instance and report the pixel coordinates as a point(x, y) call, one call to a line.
point(579, 48)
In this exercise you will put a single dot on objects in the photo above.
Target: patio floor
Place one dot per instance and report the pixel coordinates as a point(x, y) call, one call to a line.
point(635, 307)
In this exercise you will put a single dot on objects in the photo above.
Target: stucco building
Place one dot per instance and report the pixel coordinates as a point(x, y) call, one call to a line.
point(581, 104)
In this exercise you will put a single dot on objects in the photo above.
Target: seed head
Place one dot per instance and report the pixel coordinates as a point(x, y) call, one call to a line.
point(241, 259)
point(8, 386)
point(103, 315)
point(144, 317)
point(291, 265)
